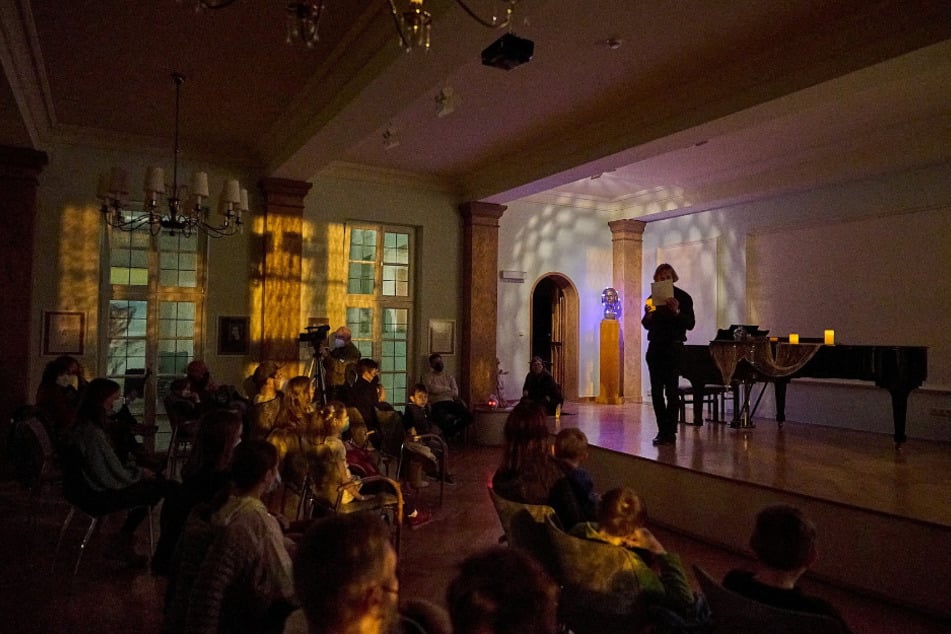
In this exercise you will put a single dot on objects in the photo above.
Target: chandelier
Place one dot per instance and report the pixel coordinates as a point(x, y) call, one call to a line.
point(186, 213)
point(414, 25)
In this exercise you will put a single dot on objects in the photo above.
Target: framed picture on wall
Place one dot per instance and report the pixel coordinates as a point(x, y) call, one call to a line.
point(233, 336)
point(442, 336)
point(64, 333)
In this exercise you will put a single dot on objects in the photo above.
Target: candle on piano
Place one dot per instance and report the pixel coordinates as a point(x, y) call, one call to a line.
point(793, 337)
point(829, 337)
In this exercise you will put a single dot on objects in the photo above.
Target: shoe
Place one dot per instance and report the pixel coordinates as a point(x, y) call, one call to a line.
point(419, 518)
point(664, 440)
point(422, 484)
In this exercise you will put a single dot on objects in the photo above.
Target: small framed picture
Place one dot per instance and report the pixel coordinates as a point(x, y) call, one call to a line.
point(442, 336)
point(64, 333)
point(233, 336)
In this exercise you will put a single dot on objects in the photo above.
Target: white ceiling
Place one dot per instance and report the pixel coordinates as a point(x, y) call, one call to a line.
point(704, 103)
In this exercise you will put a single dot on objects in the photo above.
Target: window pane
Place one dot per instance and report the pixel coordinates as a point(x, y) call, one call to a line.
point(360, 279)
point(396, 248)
point(363, 244)
point(360, 322)
point(128, 258)
point(394, 323)
point(395, 281)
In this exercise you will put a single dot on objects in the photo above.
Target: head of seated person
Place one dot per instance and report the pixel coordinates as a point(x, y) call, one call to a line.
point(502, 591)
point(784, 540)
point(345, 575)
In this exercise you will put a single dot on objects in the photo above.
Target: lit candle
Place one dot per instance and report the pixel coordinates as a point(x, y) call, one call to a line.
point(793, 337)
point(829, 337)
point(244, 200)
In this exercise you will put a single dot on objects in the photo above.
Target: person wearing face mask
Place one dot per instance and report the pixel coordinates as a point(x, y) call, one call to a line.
point(267, 404)
point(667, 324)
point(98, 480)
point(245, 583)
point(448, 409)
point(58, 394)
point(340, 363)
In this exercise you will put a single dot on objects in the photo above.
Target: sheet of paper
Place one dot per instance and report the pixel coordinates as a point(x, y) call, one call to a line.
point(661, 291)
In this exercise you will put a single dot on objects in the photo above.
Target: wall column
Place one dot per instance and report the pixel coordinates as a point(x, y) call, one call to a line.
point(279, 318)
point(627, 242)
point(480, 300)
point(19, 178)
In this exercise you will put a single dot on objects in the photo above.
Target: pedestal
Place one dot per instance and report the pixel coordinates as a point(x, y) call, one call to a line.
point(610, 392)
point(488, 425)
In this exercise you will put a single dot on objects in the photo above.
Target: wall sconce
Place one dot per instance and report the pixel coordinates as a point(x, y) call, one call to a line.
point(516, 277)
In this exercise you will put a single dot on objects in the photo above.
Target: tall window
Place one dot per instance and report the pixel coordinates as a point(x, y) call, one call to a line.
point(379, 300)
point(152, 306)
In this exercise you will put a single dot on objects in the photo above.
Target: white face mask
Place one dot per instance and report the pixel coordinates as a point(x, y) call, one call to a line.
point(117, 405)
point(339, 343)
point(275, 483)
point(68, 380)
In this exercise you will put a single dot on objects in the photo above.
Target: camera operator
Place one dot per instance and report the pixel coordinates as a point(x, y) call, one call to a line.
point(340, 363)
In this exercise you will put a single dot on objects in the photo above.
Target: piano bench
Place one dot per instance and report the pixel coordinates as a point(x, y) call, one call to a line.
point(713, 396)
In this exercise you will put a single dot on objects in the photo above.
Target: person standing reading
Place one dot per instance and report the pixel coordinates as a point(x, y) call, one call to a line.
point(667, 323)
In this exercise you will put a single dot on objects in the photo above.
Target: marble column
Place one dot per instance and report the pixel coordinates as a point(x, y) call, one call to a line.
point(19, 179)
point(480, 279)
point(279, 315)
point(627, 241)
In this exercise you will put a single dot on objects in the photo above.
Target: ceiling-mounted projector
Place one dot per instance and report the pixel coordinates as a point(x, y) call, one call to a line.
point(508, 52)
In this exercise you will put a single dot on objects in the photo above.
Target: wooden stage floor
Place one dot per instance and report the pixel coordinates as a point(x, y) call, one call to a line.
point(850, 467)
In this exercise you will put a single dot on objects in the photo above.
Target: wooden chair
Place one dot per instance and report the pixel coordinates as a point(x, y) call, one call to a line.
point(394, 448)
point(600, 591)
point(737, 614)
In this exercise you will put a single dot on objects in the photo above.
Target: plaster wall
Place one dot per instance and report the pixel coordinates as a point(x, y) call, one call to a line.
point(540, 240)
point(335, 200)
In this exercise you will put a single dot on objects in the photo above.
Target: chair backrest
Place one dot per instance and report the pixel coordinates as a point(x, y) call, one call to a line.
point(733, 612)
point(391, 426)
point(524, 528)
point(35, 457)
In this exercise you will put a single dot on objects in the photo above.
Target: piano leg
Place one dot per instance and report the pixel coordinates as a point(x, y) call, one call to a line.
point(899, 412)
point(743, 418)
point(779, 391)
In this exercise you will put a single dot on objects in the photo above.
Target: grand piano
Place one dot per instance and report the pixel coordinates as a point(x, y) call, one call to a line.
point(898, 369)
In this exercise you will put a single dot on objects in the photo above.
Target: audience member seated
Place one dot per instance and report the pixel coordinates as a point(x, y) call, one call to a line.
point(123, 427)
point(662, 581)
point(201, 385)
point(784, 541)
point(107, 483)
point(502, 591)
point(527, 471)
point(366, 395)
point(573, 496)
point(206, 474)
point(540, 387)
point(426, 454)
point(245, 582)
point(346, 582)
point(340, 364)
point(449, 410)
point(57, 397)
point(266, 407)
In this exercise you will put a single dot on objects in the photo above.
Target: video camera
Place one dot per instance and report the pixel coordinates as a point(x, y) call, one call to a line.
point(314, 335)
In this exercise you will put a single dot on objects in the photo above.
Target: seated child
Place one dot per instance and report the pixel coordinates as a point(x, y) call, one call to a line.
point(425, 454)
point(660, 574)
point(573, 496)
point(785, 545)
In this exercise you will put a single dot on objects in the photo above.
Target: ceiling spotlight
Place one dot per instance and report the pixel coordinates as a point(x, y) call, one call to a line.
point(446, 101)
point(391, 138)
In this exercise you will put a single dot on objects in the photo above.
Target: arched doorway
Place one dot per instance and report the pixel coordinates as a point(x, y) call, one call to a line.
point(554, 335)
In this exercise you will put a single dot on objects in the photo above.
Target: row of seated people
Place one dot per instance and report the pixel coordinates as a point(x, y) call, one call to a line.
point(534, 472)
